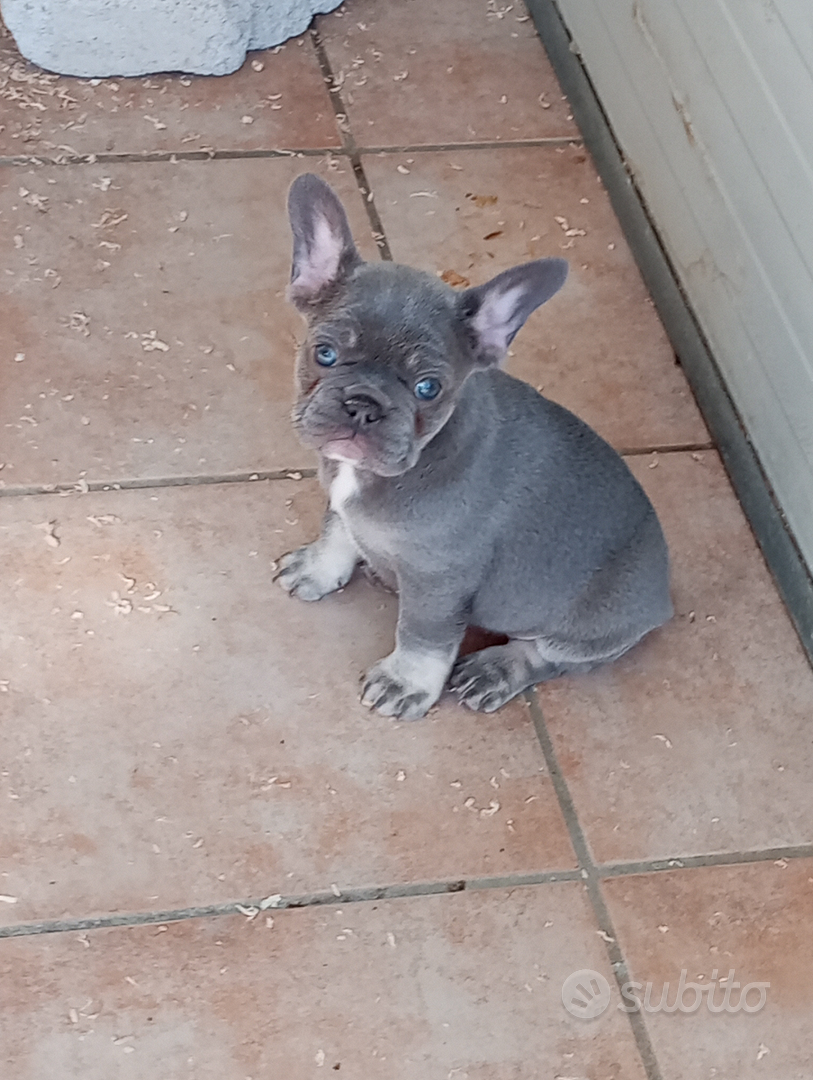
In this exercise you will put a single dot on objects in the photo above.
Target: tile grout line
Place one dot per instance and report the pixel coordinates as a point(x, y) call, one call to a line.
point(251, 908)
point(499, 144)
point(349, 144)
point(83, 487)
point(376, 223)
point(173, 157)
point(695, 862)
point(665, 448)
point(592, 882)
point(176, 156)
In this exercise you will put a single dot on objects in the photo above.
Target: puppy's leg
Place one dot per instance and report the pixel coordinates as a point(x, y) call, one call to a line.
point(488, 679)
point(410, 680)
point(322, 567)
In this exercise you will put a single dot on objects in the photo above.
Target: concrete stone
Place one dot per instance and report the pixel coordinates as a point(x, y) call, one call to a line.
point(98, 38)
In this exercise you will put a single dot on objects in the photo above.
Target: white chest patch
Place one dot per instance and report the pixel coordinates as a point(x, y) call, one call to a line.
point(343, 487)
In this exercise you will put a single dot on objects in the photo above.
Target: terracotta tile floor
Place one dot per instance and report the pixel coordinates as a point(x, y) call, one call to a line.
point(213, 861)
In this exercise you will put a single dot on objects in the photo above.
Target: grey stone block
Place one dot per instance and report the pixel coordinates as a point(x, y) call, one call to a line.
point(97, 38)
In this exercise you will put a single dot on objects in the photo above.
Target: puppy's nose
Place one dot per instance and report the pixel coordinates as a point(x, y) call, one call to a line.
point(363, 410)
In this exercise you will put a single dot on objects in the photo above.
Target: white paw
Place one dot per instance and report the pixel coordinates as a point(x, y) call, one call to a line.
point(310, 573)
point(405, 686)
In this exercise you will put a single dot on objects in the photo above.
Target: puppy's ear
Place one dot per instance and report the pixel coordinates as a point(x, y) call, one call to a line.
point(324, 252)
point(496, 311)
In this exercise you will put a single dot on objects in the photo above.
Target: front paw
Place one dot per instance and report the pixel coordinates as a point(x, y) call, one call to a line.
point(486, 680)
point(307, 573)
point(404, 687)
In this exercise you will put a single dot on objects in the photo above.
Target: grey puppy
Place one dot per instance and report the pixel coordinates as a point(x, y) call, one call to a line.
point(479, 500)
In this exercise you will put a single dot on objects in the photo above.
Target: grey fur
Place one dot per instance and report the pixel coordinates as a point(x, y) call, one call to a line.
point(488, 506)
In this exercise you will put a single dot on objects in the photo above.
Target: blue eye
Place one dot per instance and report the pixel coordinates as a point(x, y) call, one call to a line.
point(427, 389)
point(326, 355)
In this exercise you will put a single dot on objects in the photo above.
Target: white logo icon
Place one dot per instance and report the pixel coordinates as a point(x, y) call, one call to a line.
point(585, 994)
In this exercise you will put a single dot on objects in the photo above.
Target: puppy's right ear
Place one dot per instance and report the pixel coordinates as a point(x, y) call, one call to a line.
point(324, 252)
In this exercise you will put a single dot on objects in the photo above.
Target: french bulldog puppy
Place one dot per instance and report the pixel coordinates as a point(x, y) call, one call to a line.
point(481, 502)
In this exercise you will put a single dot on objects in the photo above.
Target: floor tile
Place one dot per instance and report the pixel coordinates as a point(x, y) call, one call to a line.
point(418, 72)
point(754, 920)
point(179, 731)
point(699, 739)
point(146, 302)
point(54, 116)
point(467, 985)
point(598, 347)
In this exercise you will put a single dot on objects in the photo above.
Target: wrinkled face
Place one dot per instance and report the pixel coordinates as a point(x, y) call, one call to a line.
point(388, 347)
point(381, 368)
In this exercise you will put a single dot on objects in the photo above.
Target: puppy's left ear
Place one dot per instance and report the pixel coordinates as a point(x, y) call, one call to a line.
point(324, 252)
point(495, 312)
